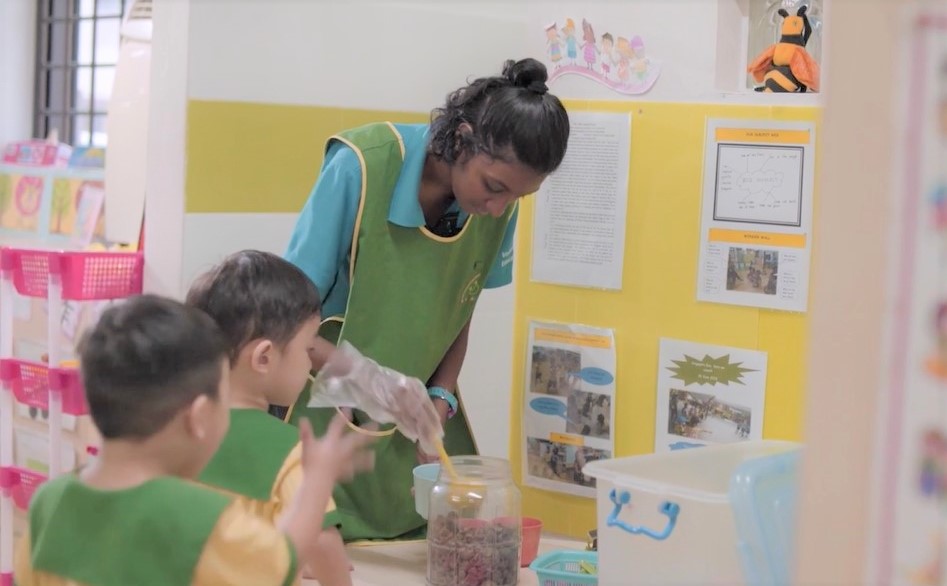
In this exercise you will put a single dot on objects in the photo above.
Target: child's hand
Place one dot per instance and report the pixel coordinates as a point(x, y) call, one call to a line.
point(338, 453)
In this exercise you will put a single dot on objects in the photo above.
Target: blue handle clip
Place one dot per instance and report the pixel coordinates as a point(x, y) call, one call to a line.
point(671, 510)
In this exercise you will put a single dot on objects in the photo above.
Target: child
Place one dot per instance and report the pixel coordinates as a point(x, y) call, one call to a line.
point(268, 311)
point(156, 377)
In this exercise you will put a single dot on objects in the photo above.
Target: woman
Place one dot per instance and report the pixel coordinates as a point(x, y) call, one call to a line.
point(405, 226)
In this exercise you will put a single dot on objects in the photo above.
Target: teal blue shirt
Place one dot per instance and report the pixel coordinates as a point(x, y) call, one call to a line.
point(321, 242)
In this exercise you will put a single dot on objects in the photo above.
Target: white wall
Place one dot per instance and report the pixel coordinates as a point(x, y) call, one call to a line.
point(167, 125)
point(17, 58)
point(331, 54)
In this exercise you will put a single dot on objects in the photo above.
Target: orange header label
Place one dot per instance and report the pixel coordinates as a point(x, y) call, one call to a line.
point(565, 337)
point(762, 238)
point(569, 440)
point(762, 135)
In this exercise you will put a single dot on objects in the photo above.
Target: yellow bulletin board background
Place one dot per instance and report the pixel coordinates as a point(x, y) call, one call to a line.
point(659, 293)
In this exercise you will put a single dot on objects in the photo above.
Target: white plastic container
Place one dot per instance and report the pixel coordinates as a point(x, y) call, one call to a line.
point(666, 519)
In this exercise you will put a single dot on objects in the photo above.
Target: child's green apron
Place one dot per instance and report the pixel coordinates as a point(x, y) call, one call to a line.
point(411, 294)
point(69, 539)
point(251, 455)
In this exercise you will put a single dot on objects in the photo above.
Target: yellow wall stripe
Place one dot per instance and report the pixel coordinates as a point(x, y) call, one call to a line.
point(262, 158)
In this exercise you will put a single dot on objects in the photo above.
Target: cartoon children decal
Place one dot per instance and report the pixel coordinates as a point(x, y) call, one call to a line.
point(606, 53)
point(589, 50)
point(572, 45)
point(639, 64)
point(625, 55)
point(617, 62)
point(553, 45)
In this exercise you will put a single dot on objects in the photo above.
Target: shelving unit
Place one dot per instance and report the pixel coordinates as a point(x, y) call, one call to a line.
point(57, 277)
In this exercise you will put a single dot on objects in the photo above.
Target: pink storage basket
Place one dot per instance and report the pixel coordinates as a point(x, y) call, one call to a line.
point(100, 275)
point(32, 382)
point(21, 484)
point(69, 383)
point(29, 382)
point(85, 276)
point(30, 270)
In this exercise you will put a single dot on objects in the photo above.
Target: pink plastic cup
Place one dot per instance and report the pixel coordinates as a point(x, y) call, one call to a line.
point(532, 529)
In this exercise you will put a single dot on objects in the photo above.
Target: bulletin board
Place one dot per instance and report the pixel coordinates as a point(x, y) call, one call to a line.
point(659, 296)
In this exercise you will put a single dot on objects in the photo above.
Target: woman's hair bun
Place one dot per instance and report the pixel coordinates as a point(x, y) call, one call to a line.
point(525, 72)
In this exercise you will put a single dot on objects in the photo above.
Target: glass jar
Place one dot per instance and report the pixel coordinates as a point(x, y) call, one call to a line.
point(474, 525)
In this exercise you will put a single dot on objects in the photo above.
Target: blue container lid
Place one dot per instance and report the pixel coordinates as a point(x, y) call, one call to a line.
point(763, 494)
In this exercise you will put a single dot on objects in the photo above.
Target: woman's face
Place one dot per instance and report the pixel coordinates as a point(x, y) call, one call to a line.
point(486, 186)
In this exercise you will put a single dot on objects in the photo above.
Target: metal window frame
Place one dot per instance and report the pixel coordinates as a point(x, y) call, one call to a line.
point(50, 73)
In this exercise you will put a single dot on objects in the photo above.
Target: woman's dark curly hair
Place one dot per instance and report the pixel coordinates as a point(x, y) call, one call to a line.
point(510, 112)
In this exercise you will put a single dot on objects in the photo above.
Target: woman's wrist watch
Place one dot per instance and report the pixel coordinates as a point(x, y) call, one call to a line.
point(446, 396)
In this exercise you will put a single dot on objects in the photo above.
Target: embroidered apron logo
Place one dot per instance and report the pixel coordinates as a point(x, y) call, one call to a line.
point(472, 290)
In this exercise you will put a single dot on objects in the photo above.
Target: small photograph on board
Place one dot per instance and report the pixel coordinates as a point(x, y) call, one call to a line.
point(752, 270)
point(703, 417)
point(559, 462)
point(589, 414)
point(581, 457)
point(542, 459)
point(554, 371)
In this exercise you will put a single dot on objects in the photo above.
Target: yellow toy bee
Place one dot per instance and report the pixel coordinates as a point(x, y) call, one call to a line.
point(787, 66)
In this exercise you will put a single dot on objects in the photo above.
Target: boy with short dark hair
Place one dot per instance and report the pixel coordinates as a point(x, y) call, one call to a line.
point(156, 377)
point(268, 311)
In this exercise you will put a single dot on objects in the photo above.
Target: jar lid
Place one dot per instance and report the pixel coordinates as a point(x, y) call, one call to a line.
point(480, 467)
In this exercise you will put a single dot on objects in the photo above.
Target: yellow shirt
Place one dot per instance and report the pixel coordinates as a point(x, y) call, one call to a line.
point(287, 483)
point(260, 461)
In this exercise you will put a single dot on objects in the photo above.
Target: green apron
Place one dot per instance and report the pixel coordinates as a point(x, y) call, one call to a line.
point(411, 294)
point(251, 455)
point(157, 529)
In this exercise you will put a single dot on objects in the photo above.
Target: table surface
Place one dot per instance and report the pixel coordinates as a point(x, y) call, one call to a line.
point(406, 563)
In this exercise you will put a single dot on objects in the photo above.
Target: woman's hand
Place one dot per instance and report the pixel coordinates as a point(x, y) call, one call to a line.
point(442, 408)
point(424, 457)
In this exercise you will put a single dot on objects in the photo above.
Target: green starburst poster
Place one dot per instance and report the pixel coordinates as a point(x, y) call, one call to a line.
point(708, 395)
